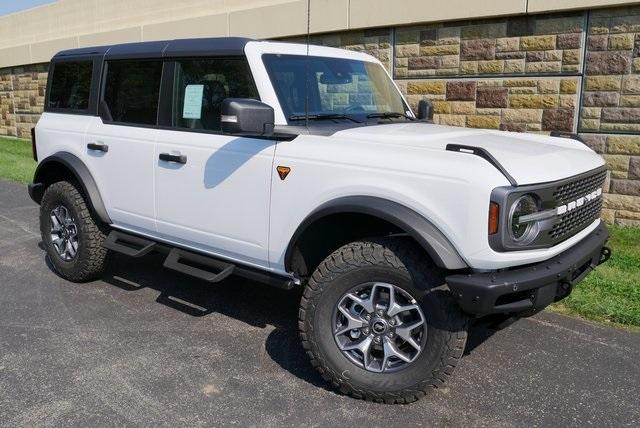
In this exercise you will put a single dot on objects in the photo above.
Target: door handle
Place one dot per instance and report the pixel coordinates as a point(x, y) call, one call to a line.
point(102, 147)
point(168, 157)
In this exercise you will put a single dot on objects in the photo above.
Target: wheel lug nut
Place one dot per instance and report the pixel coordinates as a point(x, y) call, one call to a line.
point(380, 312)
point(390, 334)
point(365, 331)
point(377, 339)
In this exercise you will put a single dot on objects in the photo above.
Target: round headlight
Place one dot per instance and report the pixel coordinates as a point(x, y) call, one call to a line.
point(522, 232)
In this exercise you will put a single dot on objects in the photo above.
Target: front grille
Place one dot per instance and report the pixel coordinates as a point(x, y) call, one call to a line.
point(575, 189)
point(577, 219)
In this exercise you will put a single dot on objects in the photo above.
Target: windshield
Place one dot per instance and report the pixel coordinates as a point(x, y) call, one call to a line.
point(337, 87)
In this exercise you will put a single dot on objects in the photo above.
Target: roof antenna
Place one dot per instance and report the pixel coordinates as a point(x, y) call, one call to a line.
point(306, 88)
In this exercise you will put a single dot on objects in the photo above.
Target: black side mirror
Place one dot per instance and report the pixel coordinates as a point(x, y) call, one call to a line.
point(245, 116)
point(425, 109)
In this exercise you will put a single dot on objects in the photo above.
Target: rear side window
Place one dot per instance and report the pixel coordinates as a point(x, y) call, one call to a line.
point(132, 89)
point(201, 85)
point(70, 85)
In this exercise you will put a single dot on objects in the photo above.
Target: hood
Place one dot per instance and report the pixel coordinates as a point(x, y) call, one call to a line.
point(528, 158)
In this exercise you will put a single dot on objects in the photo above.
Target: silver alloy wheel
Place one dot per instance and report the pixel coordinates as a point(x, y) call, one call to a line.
point(64, 233)
point(379, 327)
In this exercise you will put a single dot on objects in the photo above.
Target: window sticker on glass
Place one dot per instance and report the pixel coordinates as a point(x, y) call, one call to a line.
point(192, 108)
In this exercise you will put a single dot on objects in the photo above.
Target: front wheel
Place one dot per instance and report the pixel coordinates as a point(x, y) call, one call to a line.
point(378, 322)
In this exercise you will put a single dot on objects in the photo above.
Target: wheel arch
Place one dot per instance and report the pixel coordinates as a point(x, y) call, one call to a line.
point(64, 165)
point(406, 220)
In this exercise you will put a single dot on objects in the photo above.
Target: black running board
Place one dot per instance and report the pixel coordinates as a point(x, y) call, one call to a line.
point(207, 268)
point(130, 245)
point(192, 264)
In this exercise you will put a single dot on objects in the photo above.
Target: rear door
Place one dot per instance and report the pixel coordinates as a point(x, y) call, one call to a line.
point(120, 144)
point(212, 189)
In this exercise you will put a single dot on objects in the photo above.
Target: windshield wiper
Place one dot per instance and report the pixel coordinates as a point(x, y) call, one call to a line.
point(389, 114)
point(328, 116)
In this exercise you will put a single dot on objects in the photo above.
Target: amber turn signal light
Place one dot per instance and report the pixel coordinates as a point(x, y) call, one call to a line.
point(494, 215)
point(283, 171)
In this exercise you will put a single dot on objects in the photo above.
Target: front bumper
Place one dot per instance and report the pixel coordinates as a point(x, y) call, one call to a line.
point(533, 287)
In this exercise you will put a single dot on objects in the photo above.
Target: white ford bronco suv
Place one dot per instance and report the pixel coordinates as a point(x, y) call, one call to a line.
point(304, 167)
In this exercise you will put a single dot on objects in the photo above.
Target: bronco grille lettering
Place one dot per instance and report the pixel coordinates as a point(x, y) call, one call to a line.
point(570, 206)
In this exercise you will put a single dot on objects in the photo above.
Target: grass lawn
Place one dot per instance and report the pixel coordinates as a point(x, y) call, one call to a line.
point(16, 160)
point(610, 294)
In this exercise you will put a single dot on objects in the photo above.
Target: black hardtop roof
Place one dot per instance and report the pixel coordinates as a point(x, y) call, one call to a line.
point(211, 46)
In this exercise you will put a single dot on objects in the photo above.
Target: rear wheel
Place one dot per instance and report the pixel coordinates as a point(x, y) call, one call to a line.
point(72, 237)
point(378, 322)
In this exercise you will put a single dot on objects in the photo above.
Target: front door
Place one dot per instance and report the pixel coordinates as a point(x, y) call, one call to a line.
point(212, 190)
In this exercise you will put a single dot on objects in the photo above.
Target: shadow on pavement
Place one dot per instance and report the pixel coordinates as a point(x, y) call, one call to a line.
point(253, 303)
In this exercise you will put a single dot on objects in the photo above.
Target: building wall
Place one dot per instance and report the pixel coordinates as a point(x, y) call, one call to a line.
point(575, 71)
point(21, 98)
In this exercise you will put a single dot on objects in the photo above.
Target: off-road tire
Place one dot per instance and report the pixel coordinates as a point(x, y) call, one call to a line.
point(396, 261)
point(91, 259)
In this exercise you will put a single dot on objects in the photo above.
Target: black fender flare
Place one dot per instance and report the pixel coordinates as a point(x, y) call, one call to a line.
point(434, 242)
point(80, 172)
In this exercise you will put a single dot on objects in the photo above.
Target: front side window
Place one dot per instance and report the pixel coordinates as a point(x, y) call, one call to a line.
point(132, 89)
point(335, 86)
point(70, 85)
point(201, 85)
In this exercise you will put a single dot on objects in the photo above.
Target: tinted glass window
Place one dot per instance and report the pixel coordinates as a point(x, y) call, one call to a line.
point(70, 85)
point(333, 86)
point(132, 89)
point(202, 84)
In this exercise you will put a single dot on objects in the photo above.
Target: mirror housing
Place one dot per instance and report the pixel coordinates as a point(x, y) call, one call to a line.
point(246, 116)
point(425, 110)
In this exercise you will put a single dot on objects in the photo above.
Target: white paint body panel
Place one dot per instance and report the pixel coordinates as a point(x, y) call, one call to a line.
point(124, 174)
point(528, 158)
point(219, 200)
point(228, 200)
point(450, 189)
point(61, 133)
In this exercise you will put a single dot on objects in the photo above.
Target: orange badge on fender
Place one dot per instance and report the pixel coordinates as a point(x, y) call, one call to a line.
point(283, 171)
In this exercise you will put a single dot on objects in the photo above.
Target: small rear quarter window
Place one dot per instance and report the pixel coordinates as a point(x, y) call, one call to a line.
point(70, 85)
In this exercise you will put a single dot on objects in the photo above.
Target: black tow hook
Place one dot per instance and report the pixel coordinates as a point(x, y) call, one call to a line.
point(564, 289)
point(605, 254)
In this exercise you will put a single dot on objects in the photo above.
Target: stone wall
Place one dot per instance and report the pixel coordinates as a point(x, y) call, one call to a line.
point(7, 117)
point(542, 104)
point(612, 75)
point(21, 98)
point(611, 103)
point(515, 46)
point(516, 74)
